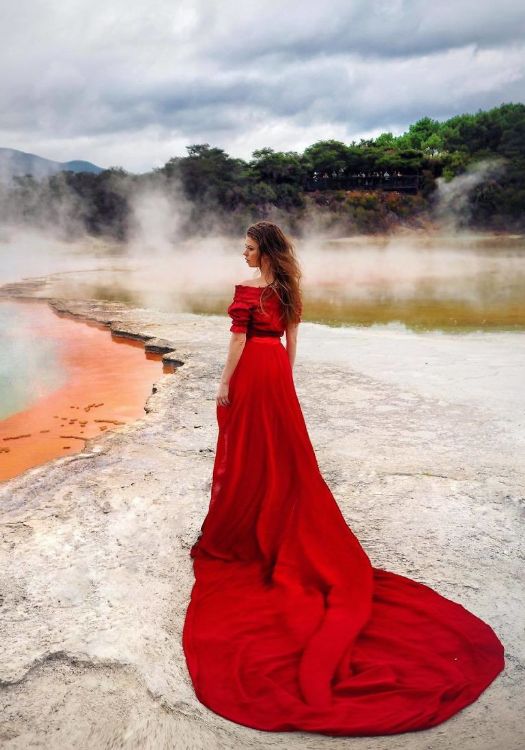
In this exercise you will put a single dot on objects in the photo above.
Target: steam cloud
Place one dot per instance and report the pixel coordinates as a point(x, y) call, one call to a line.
point(453, 206)
point(160, 267)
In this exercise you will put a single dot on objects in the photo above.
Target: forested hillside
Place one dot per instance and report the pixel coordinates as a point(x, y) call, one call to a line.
point(371, 186)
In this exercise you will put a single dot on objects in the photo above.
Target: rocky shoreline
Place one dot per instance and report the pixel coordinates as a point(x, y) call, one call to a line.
point(96, 575)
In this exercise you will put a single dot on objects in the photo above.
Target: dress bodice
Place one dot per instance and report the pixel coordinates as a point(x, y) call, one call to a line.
point(255, 316)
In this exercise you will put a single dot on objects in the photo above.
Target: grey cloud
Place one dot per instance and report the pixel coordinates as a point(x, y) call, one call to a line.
point(382, 29)
point(227, 73)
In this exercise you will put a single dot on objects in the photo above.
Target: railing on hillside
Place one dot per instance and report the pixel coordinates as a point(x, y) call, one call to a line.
point(402, 183)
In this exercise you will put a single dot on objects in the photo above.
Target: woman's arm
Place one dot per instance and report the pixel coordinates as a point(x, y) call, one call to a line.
point(237, 342)
point(291, 342)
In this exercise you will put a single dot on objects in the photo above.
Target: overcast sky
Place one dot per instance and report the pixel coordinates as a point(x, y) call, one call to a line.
point(131, 83)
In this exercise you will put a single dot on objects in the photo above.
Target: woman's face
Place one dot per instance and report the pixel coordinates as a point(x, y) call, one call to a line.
point(251, 252)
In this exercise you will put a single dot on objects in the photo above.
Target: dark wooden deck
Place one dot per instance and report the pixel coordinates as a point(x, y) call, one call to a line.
point(400, 183)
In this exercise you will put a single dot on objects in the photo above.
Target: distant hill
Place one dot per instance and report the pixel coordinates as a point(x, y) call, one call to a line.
point(18, 163)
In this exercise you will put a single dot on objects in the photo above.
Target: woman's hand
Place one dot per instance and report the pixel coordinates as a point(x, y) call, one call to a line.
point(222, 395)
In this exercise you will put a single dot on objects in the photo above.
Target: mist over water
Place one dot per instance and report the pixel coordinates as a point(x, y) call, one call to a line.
point(427, 281)
point(442, 277)
point(419, 280)
point(29, 364)
point(29, 253)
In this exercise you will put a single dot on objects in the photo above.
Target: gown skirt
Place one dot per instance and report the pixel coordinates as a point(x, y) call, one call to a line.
point(289, 625)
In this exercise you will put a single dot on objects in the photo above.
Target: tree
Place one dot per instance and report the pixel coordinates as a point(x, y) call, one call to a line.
point(327, 159)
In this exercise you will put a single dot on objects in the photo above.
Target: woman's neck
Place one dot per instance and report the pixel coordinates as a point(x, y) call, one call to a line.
point(267, 276)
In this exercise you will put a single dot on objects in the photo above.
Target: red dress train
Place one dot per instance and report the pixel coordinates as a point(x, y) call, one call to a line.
point(289, 626)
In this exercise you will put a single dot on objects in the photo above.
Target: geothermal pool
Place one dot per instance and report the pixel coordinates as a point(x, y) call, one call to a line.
point(63, 381)
point(455, 283)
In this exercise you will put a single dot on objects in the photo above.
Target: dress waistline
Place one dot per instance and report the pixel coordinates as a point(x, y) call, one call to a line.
point(263, 334)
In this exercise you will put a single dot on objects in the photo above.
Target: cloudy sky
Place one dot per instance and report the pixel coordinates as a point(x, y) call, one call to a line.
point(131, 84)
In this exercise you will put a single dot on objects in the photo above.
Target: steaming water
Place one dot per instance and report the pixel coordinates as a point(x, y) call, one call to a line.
point(423, 282)
point(29, 365)
point(434, 284)
point(28, 254)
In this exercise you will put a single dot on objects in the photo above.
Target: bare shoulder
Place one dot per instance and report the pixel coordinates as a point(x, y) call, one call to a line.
point(246, 282)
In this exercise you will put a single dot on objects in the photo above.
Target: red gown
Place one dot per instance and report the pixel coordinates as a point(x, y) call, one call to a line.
point(290, 626)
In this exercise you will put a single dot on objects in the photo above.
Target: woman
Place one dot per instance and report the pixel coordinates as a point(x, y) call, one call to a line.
point(289, 626)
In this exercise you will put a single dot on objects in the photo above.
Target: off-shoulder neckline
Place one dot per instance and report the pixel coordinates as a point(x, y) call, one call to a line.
point(252, 286)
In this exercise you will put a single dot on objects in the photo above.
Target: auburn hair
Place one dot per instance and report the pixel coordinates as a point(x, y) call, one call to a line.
point(279, 250)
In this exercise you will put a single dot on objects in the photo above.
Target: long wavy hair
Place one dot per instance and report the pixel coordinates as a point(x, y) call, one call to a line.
point(278, 248)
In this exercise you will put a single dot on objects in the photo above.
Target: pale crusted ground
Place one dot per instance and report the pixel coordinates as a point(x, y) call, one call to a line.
point(425, 461)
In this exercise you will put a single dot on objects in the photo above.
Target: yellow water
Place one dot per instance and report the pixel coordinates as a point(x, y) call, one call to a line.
point(453, 282)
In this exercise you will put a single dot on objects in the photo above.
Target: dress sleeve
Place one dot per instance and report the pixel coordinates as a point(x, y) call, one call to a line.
point(240, 311)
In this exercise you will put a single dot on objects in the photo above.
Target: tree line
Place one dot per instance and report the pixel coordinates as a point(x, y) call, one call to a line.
point(294, 187)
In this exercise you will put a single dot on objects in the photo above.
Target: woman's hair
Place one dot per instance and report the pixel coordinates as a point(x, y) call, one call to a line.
point(285, 267)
